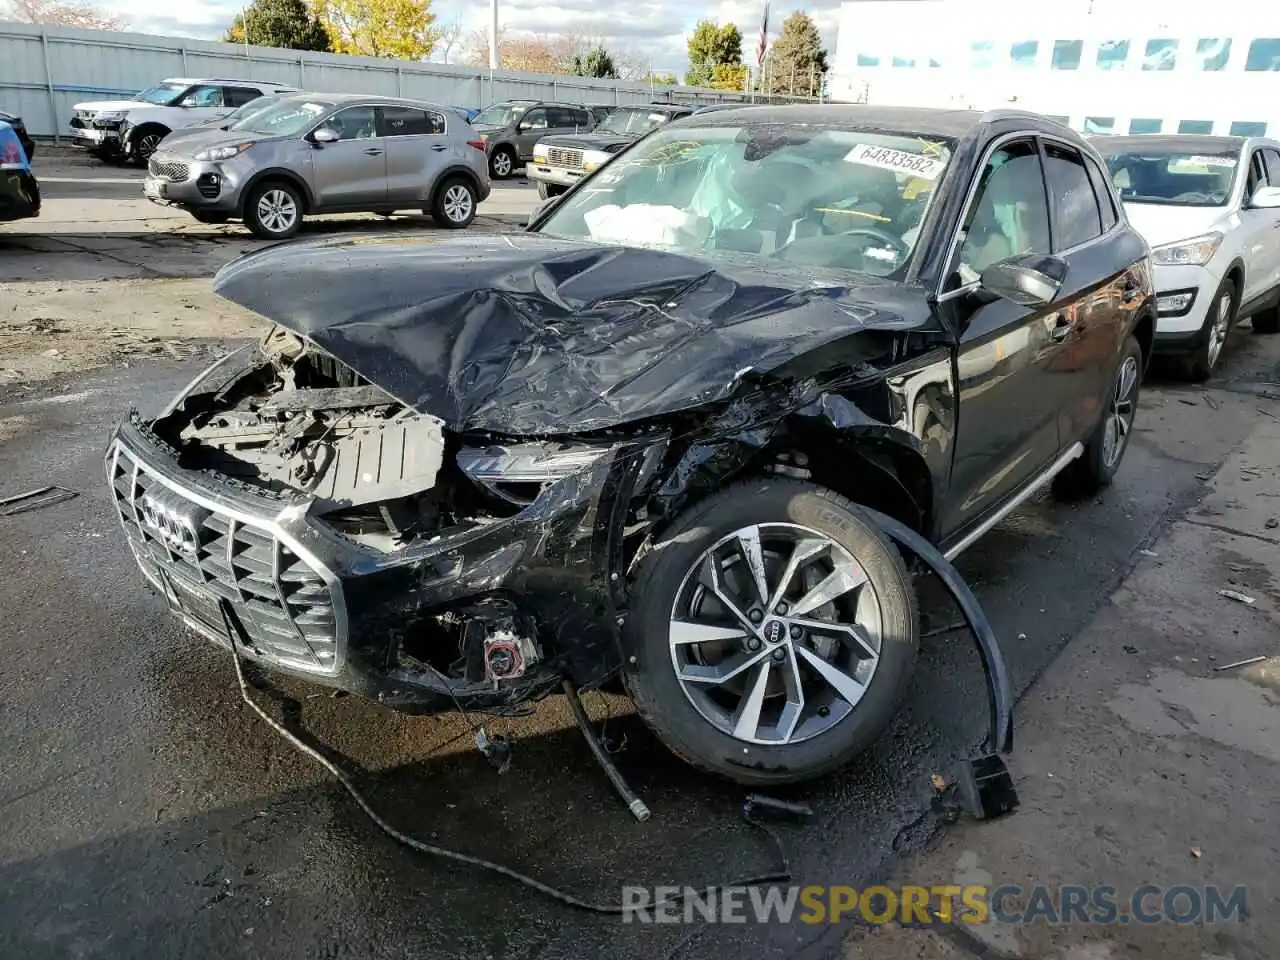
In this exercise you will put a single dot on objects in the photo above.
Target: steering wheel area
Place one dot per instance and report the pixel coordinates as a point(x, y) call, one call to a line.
point(837, 249)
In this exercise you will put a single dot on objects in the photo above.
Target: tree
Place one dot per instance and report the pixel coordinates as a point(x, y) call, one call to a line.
point(710, 45)
point(595, 63)
point(729, 76)
point(448, 37)
point(797, 62)
point(71, 13)
point(399, 29)
point(280, 23)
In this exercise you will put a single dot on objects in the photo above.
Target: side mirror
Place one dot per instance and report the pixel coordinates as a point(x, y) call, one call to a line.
point(1031, 280)
point(1265, 198)
point(326, 135)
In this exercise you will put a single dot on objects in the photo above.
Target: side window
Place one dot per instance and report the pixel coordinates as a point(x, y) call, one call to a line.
point(435, 122)
point(1076, 218)
point(1009, 214)
point(239, 96)
point(561, 117)
point(1106, 196)
point(1272, 157)
point(1257, 174)
point(203, 96)
point(354, 123)
point(583, 118)
point(535, 119)
point(402, 122)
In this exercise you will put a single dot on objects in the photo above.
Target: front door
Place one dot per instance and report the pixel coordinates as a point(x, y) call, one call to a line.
point(417, 149)
point(203, 102)
point(1271, 156)
point(352, 173)
point(1258, 233)
point(1009, 393)
point(532, 128)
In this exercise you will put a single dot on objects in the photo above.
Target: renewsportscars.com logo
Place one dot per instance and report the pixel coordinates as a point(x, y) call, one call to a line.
point(948, 903)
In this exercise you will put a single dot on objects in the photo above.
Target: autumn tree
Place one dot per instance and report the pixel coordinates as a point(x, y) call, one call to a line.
point(65, 13)
point(280, 23)
point(711, 45)
point(448, 38)
point(797, 62)
point(729, 76)
point(400, 29)
point(595, 63)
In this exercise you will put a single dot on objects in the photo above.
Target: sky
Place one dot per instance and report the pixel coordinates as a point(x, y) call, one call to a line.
point(657, 29)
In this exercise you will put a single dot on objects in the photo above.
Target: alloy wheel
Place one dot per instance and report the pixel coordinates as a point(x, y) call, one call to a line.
point(147, 145)
point(1120, 413)
point(277, 211)
point(1218, 332)
point(502, 163)
point(775, 634)
point(457, 203)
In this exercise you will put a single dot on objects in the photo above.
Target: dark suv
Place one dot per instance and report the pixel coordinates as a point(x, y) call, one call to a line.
point(665, 433)
point(510, 129)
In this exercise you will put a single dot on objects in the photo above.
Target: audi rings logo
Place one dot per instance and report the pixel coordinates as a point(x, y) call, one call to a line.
point(173, 520)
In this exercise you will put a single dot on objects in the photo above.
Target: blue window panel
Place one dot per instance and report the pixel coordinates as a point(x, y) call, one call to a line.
point(1099, 124)
point(868, 60)
point(1195, 126)
point(1160, 55)
point(1213, 54)
point(1112, 54)
point(1264, 54)
point(1145, 125)
point(904, 61)
point(1248, 128)
point(1023, 54)
point(1066, 54)
point(982, 54)
point(934, 63)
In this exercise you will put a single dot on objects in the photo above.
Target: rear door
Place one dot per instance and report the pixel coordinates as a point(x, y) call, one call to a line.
point(417, 150)
point(352, 173)
point(234, 97)
point(1007, 430)
point(532, 128)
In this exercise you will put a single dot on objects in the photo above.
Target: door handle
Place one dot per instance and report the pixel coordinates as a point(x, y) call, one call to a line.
point(439, 148)
point(1061, 329)
point(373, 152)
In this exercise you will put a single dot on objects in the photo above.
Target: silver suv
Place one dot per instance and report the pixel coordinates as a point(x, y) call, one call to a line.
point(325, 153)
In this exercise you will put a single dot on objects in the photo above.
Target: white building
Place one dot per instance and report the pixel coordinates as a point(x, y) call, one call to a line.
point(1106, 66)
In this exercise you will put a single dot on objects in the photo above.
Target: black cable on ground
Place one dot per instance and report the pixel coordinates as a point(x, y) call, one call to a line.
point(781, 875)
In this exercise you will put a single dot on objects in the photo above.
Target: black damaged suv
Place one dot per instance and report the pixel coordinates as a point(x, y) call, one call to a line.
point(640, 438)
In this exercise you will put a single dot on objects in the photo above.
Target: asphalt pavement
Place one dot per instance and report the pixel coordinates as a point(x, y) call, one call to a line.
point(145, 811)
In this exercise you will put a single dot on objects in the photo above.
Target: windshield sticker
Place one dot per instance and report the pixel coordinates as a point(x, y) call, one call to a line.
point(1199, 164)
point(899, 161)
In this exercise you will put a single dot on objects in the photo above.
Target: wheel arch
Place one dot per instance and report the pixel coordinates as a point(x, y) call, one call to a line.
point(146, 126)
point(454, 170)
point(277, 173)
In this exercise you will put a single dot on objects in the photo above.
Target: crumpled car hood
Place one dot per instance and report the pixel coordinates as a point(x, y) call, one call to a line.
point(531, 335)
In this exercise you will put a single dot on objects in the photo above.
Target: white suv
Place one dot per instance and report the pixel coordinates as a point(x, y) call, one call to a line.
point(131, 129)
point(1210, 208)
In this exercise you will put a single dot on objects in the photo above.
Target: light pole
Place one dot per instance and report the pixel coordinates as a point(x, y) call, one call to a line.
point(493, 34)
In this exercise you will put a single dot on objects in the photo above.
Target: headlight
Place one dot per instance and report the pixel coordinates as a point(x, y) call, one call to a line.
point(595, 159)
point(222, 153)
point(540, 151)
point(1195, 252)
point(112, 116)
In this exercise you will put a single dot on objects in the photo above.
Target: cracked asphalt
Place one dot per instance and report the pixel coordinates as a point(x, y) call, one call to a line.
point(147, 812)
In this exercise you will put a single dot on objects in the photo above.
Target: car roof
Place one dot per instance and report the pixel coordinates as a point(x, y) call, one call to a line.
point(344, 98)
point(250, 83)
point(1169, 141)
point(947, 123)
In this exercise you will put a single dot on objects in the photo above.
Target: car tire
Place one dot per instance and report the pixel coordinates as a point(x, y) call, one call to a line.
point(779, 511)
point(1266, 322)
point(502, 163)
point(144, 143)
point(209, 216)
point(273, 210)
point(454, 205)
point(1199, 365)
point(548, 190)
point(1094, 469)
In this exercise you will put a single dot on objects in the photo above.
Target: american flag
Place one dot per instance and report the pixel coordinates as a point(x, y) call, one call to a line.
point(763, 45)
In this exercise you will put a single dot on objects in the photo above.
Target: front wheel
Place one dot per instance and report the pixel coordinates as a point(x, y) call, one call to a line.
point(145, 142)
point(502, 164)
point(548, 190)
point(1104, 450)
point(1221, 317)
point(273, 210)
point(774, 629)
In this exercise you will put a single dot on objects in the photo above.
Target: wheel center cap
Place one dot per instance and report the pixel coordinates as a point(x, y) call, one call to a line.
point(774, 631)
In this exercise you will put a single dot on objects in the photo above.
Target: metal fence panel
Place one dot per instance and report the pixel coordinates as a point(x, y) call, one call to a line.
point(45, 71)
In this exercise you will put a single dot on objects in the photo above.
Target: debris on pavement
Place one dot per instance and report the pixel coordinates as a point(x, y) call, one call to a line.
point(34, 500)
point(1239, 663)
point(1272, 523)
point(1213, 404)
point(1149, 553)
point(1197, 852)
point(1237, 596)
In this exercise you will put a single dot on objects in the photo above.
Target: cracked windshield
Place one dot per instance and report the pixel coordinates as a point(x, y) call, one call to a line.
point(793, 193)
